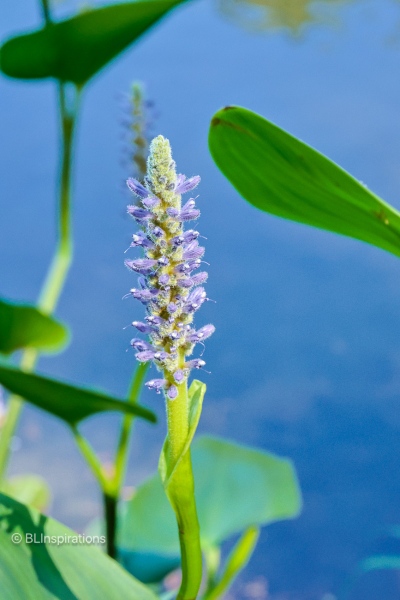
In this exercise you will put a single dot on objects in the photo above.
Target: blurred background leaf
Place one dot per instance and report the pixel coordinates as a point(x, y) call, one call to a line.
point(65, 571)
point(29, 489)
point(281, 175)
point(70, 403)
point(236, 488)
point(76, 49)
point(23, 326)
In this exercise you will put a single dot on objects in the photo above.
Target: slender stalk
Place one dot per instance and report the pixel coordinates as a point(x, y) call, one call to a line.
point(110, 504)
point(180, 491)
point(46, 11)
point(91, 458)
point(121, 457)
point(58, 270)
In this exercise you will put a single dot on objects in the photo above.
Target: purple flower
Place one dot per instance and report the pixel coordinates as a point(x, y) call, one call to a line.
point(140, 214)
point(142, 327)
point(193, 251)
point(184, 185)
point(201, 334)
point(137, 188)
point(168, 289)
point(150, 202)
point(172, 392)
point(141, 239)
point(141, 345)
point(141, 265)
point(156, 384)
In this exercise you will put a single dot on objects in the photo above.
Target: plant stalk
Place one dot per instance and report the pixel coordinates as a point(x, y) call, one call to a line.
point(58, 270)
point(180, 492)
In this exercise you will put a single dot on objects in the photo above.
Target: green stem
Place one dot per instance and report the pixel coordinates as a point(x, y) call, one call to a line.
point(57, 273)
point(110, 504)
point(46, 11)
point(121, 457)
point(91, 458)
point(180, 491)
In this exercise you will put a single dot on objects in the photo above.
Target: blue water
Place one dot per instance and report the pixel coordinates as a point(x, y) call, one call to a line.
point(306, 358)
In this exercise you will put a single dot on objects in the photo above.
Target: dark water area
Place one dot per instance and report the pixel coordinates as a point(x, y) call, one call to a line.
point(306, 358)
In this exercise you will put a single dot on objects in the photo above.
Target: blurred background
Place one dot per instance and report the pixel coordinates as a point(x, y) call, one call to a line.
point(306, 358)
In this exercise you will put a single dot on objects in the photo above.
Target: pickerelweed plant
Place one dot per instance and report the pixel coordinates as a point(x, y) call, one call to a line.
point(171, 293)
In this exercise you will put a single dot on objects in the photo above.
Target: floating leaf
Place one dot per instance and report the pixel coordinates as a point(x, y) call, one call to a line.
point(77, 48)
point(68, 402)
point(236, 487)
point(58, 567)
point(23, 326)
point(281, 175)
point(28, 489)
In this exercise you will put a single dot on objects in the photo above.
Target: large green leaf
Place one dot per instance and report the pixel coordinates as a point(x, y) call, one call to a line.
point(68, 402)
point(75, 49)
point(281, 175)
point(57, 568)
point(236, 487)
point(23, 326)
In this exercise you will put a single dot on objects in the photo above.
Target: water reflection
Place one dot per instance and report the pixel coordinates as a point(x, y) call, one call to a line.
point(292, 15)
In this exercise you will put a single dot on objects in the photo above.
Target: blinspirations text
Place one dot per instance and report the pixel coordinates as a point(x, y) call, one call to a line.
point(168, 288)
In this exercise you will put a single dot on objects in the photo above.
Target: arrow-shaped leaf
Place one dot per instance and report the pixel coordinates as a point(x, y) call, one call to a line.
point(281, 175)
point(77, 48)
point(70, 403)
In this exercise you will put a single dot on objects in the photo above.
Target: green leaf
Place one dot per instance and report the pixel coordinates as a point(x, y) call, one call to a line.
point(236, 562)
point(28, 489)
point(23, 326)
point(281, 175)
point(236, 487)
point(77, 48)
point(70, 403)
point(51, 570)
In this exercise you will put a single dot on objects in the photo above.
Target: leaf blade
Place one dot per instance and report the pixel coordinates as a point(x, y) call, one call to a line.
point(50, 570)
point(281, 175)
point(70, 403)
point(77, 48)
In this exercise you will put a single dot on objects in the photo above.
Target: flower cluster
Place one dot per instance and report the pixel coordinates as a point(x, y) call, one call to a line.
point(169, 283)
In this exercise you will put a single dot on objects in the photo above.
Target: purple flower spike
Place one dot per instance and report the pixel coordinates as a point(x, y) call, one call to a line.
point(137, 188)
point(167, 287)
point(156, 384)
point(184, 185)
point(172, 392)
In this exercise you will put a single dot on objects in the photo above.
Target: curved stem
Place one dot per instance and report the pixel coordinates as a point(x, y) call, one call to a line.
point(58, 270)
point(180, 492)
